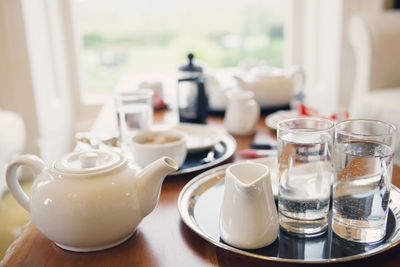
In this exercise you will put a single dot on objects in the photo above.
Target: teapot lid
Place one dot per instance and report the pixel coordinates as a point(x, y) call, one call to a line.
point(89, 161)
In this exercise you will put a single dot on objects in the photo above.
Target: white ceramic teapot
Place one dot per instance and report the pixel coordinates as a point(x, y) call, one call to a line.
point(272, 87)
point(89, 200)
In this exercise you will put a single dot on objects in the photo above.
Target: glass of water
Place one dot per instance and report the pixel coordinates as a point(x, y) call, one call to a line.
point(134, 112)
point(363, 164)
point(306, 174)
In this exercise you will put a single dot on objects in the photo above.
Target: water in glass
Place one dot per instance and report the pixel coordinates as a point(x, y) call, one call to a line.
point(361, 190)
point(306, 175)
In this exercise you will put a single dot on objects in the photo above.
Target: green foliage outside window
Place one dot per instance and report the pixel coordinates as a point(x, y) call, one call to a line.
point(157, 35)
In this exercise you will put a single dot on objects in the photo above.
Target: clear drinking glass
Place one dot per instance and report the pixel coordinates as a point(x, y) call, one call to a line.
point(134, 112)
point(306, 174)
point(363, 164)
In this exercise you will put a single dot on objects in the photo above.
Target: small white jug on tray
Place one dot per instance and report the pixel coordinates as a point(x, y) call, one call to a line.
point(248, 218)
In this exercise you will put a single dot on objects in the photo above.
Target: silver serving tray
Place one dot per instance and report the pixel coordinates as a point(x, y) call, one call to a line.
point(199, 204)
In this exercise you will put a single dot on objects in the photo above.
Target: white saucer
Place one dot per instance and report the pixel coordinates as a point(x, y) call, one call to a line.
point(199, 137)
point(272, 120)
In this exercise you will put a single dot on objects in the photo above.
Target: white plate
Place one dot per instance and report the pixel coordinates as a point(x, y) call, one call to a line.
point(199, 137)
point(272, 120)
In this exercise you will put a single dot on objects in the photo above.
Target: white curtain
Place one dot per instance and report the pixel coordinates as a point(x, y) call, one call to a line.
point(317, 34)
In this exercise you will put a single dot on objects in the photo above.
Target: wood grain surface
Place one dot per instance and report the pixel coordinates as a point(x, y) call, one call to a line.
point(162, 239)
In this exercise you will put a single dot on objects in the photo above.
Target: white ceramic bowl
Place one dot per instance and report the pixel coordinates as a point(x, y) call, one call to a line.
point(146, 153)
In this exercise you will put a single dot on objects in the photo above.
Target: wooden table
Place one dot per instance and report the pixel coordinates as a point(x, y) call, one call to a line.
point(162, 239)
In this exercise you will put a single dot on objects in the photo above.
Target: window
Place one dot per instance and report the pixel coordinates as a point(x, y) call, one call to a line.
point(120, 36)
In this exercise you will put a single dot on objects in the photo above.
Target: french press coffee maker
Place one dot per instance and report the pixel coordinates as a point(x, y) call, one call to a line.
point(192, 98)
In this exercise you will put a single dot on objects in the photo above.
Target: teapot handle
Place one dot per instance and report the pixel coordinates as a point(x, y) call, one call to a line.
point(298, 76)
point(254, 112)
point(31, 161)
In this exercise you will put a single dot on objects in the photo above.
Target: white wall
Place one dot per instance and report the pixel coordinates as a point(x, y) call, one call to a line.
point(34, 78)
point(40, 76)
point(47, 58)
point(16, 87)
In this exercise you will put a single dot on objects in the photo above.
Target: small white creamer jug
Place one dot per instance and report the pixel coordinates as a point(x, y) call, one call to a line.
point(248, 217)
point(242, 112)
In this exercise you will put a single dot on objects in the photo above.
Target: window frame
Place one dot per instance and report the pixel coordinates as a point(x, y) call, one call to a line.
point(85, 103)
point(86, 109)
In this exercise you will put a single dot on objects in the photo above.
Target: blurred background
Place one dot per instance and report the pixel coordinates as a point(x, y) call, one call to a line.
point(60, 61)
point(121, 36)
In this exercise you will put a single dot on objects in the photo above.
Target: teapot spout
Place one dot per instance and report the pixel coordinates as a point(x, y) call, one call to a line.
point(240, 81)
point(150, 180)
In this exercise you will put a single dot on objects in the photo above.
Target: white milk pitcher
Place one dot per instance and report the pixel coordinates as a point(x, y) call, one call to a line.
point(242, 112)
point(248, 217)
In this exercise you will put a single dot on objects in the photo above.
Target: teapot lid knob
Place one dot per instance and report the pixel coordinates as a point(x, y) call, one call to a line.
point(88, 160)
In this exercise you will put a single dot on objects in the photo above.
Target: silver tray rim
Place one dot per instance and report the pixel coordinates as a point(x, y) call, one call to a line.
point(186, 201)
point(231, 145)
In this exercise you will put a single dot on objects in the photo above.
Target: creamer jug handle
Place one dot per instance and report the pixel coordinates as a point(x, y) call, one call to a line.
point(31, 161)
point(254, 112)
